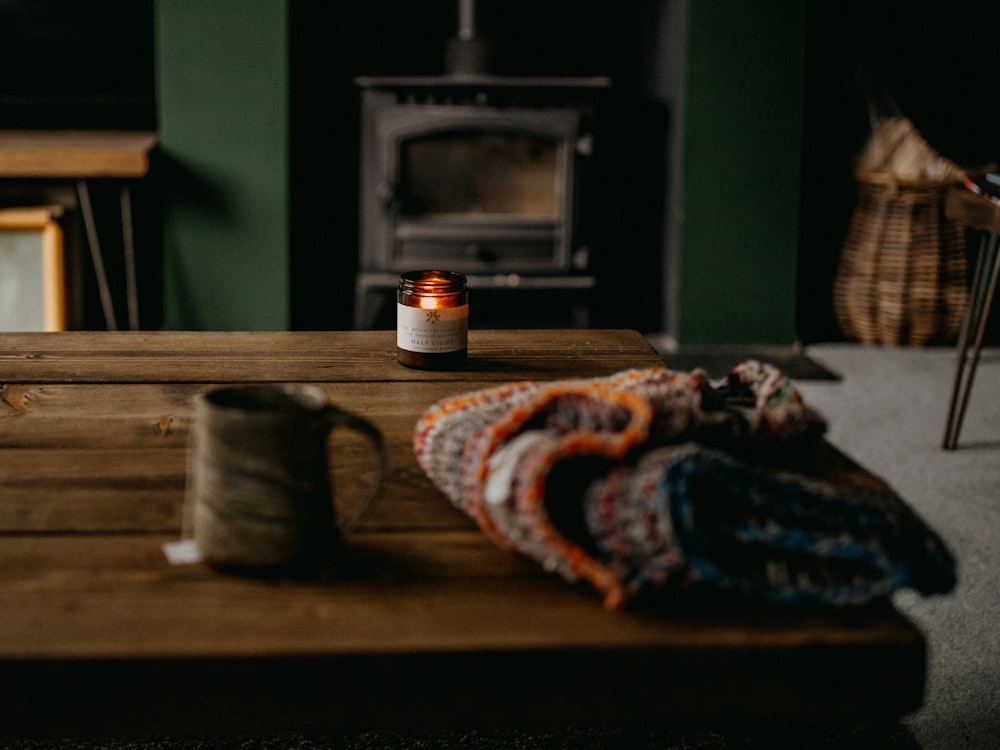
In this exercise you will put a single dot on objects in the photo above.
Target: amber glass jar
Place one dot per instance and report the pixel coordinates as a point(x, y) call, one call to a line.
point(432, 320)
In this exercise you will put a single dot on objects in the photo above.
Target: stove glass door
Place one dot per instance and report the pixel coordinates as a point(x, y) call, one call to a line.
point(470, 174)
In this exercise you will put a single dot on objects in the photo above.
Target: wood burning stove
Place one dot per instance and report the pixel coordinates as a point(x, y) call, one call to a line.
point(476, 174)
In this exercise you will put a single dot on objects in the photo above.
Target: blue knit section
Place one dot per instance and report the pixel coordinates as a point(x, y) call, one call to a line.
point(816, 548)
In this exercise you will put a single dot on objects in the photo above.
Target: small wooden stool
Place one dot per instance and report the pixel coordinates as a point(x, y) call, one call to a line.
point(983, 215)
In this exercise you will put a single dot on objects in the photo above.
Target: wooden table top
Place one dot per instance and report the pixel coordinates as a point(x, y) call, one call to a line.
point(431, 624)
point(75, 154)
point(971, 210)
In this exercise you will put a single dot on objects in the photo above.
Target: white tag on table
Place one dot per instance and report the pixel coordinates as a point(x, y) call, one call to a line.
point(184, 552)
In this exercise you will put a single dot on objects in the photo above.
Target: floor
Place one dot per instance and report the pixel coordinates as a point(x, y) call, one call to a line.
point(889, 411)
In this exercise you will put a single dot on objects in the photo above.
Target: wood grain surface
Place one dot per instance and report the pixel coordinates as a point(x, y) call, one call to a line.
point(75, 153)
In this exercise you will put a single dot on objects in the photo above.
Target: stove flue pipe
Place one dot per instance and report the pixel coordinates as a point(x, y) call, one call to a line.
point(467, 54)
point(466, 19)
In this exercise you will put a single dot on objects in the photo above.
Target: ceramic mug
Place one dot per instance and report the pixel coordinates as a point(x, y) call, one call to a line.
point(260, 485)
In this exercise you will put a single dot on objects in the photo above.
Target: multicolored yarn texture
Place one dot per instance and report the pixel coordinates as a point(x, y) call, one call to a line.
point(650, 479)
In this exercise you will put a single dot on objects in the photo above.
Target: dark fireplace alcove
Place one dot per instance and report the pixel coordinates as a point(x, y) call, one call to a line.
point(564, 81)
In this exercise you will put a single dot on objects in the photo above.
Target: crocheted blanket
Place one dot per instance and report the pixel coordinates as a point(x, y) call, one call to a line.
point(652, 478)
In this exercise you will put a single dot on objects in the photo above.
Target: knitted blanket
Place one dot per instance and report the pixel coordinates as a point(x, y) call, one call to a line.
point(651, 478)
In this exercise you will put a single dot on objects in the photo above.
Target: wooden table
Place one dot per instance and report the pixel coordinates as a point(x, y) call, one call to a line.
point(76, 154)
point(82, 156)
point(431, 625)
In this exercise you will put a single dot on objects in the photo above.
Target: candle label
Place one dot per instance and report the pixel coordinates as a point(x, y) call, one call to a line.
point(434, 331)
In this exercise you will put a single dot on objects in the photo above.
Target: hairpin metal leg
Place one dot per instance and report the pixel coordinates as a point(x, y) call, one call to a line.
point(984, 284)
point(128, 249)
point(96, 256)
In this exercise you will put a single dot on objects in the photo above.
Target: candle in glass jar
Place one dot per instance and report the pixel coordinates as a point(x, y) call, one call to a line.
point(432, 320)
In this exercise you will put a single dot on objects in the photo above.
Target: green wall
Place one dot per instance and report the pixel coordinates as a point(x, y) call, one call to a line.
point(741, 159)
point(222, 90)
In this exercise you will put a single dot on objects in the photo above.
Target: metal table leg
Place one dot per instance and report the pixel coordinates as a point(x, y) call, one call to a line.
point(97, 257)
point(128, 249)
point(984, 284)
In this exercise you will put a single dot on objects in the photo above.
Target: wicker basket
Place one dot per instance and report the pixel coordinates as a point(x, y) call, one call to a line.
point(901, 280)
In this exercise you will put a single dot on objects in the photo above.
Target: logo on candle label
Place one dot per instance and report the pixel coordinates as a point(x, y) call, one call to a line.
point(437, 331)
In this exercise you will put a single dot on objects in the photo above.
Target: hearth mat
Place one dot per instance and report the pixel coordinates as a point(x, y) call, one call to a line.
point(718, 361)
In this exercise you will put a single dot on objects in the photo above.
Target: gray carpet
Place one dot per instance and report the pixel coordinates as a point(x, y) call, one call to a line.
point(888, 411)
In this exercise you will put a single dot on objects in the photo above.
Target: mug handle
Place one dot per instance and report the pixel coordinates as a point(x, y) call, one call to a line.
point(337, 417)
